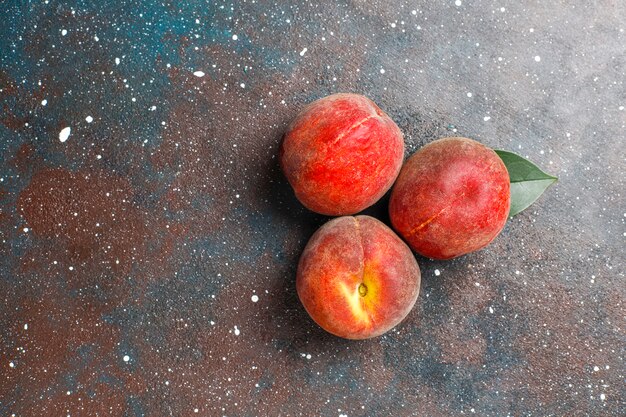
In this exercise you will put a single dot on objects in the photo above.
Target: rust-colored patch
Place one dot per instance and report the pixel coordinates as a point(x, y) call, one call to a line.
point(93, 215)
point(58, 356)
point(457, 348)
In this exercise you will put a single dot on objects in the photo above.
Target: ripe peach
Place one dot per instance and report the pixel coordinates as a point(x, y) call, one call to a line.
point(356, 278)
point(341, 154)
point(452, 197)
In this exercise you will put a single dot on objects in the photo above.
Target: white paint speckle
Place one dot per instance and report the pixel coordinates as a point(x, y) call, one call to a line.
point(458, 2)
point(198, 74)
point(98, 156)
point(89, 119)
point(237, 331)
point(382, 70)
point(254, 298)
point(26, 326)
point(235, 37)
point(469, 94)
point(303, 51)
point(414, 12)
point(26, 229)
point(96, 38)
point(63, 32)
point(71, 268)
point(486, 118)
point(537, 58)
point(502, 9)
point(117, 61)
point(11, 364)
point(602, 397)
point(195, 410)
point(126, 358)
point(65, 133)
point(596, 369)
point(437, 272)
point(242, 85)
point(621, 108)
point(491, 310)
point(44, 102)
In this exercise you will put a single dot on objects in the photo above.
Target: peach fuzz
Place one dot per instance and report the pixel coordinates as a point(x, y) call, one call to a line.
point(341, 154)
point(356, 278)
point(452, 197)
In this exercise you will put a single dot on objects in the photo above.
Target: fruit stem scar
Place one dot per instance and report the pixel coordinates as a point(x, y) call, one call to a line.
point(362, 290)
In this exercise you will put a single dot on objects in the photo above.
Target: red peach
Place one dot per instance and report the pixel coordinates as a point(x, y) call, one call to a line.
point(341, 154)
point(452, 197)
point(356, 278)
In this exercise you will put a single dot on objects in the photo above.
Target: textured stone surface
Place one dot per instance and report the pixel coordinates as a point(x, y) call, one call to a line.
point(148, 258)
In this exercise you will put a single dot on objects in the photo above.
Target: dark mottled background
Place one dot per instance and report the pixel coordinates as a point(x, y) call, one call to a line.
point(147, 261)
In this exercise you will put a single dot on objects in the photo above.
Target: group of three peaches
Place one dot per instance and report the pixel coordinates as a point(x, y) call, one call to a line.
point(356, 277)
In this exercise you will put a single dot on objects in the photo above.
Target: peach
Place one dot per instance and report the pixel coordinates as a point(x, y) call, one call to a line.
point(356, 278)
point(452, 197)
point(341, 154)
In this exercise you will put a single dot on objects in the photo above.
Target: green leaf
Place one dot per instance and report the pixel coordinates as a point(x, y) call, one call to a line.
point(528, 182)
